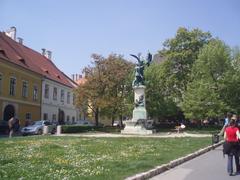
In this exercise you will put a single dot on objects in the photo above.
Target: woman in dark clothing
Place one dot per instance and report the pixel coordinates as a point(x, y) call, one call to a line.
point(13, 125)
point(231, 136)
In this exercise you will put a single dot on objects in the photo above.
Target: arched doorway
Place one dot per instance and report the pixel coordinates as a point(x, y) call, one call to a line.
point(61, 116)
point(9, 112)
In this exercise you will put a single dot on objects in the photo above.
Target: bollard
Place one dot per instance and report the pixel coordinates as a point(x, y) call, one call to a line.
point(45, 130)
point(59, 129)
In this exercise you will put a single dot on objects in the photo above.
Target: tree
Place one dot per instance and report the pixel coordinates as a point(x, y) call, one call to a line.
point(205, 97)
point(231, 89)
point(106, 87)
point(181, 52)
point(90, 93)
point(160, 104)
point(118, 72)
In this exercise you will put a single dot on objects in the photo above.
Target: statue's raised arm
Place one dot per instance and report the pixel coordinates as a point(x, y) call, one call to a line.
point(149, 58)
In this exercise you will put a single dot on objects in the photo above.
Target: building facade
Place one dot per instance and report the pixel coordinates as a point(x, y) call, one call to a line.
point(20, 88)
point(57, 103)
point(32, 84)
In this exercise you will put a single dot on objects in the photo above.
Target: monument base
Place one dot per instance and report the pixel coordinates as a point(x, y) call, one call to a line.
point(132, 127)
point(139, 113)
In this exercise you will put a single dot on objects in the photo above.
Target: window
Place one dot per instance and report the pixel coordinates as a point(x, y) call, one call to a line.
point(73, 119)
point(46, 91)
point(45, 116)
point(28, 116)
point(24, 89)
point(54, 117)
point(0, 83)
point(74, 99)
point(35, 93)
point(54, 93)
point(62, 95)
point(68, 97)
point(68, 118)
point(12, 86)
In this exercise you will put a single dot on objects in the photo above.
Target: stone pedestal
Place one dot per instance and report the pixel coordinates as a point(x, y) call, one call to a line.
point(59, 130)
point(135, 125)
point(139, 113)
point(132, 127)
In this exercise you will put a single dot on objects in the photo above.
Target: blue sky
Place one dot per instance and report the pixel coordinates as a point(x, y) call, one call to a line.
point(74, 29)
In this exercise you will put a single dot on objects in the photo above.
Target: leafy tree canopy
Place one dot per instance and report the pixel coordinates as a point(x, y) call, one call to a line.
point(106, 85)
point(204, 97)
point(181, 52)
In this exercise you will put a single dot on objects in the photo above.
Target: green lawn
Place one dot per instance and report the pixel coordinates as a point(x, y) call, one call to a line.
point(48, 157)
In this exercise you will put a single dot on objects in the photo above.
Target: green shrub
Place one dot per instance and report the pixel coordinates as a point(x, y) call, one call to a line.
point(82, 129)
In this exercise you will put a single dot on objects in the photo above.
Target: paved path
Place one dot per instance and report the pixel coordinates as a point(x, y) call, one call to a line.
point(209, 166)
point(157, 135)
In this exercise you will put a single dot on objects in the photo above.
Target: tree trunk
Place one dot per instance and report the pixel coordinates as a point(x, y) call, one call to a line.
point(96, 113)
point(121, 120)
point(112, 118)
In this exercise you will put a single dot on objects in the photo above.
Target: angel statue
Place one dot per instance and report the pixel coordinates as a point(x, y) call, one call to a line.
point(139, 69)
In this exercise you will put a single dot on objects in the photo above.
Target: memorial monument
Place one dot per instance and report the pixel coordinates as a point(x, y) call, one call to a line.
point(139, 123)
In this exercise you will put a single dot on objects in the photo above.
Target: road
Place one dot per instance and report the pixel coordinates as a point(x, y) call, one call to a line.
point(209, 166)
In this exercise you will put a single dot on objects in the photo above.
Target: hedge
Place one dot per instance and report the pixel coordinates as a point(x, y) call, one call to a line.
point(82, 129)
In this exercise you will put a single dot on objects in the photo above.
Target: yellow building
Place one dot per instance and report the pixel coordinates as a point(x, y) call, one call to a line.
point(20, 85)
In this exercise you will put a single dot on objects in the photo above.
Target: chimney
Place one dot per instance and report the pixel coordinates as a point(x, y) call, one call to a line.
point(12, 33)
point(43, 51)
point(80, 76)
point(76, 76)
point(20, 40)
point(49, 55)
point(73, 77)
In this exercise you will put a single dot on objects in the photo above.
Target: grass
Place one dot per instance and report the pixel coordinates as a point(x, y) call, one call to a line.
point(48, 157)
point(196, 130)
point(204, 130)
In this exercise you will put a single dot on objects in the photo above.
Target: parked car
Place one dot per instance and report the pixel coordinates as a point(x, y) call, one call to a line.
point(84, 123)
point(37, 128)
point(116, 123)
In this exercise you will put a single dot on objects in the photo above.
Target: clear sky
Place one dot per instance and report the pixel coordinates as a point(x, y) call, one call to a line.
point(74, 29)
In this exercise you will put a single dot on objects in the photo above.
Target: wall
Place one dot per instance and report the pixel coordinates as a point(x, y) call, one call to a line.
point(51, 106)
point(22, 104)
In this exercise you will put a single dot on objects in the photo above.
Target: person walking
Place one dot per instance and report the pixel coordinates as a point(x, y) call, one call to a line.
point(13, 125)
point(11, 122)
point(226, 122)
point(231, 136)
point(237, 124)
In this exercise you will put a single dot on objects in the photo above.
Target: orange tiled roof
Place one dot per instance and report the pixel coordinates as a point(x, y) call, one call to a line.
point(32, 60)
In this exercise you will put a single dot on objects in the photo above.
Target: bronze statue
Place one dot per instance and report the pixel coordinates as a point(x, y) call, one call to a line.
point(140, 101)
point(139, 69)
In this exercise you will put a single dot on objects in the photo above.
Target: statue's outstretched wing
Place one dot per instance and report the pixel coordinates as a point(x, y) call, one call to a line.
point(135, 57)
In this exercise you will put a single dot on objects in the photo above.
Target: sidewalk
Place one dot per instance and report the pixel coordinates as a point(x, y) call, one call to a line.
point(209, 166)
point(157, 135)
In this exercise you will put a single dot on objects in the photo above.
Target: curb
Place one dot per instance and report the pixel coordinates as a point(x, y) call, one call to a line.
point(160, 169)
